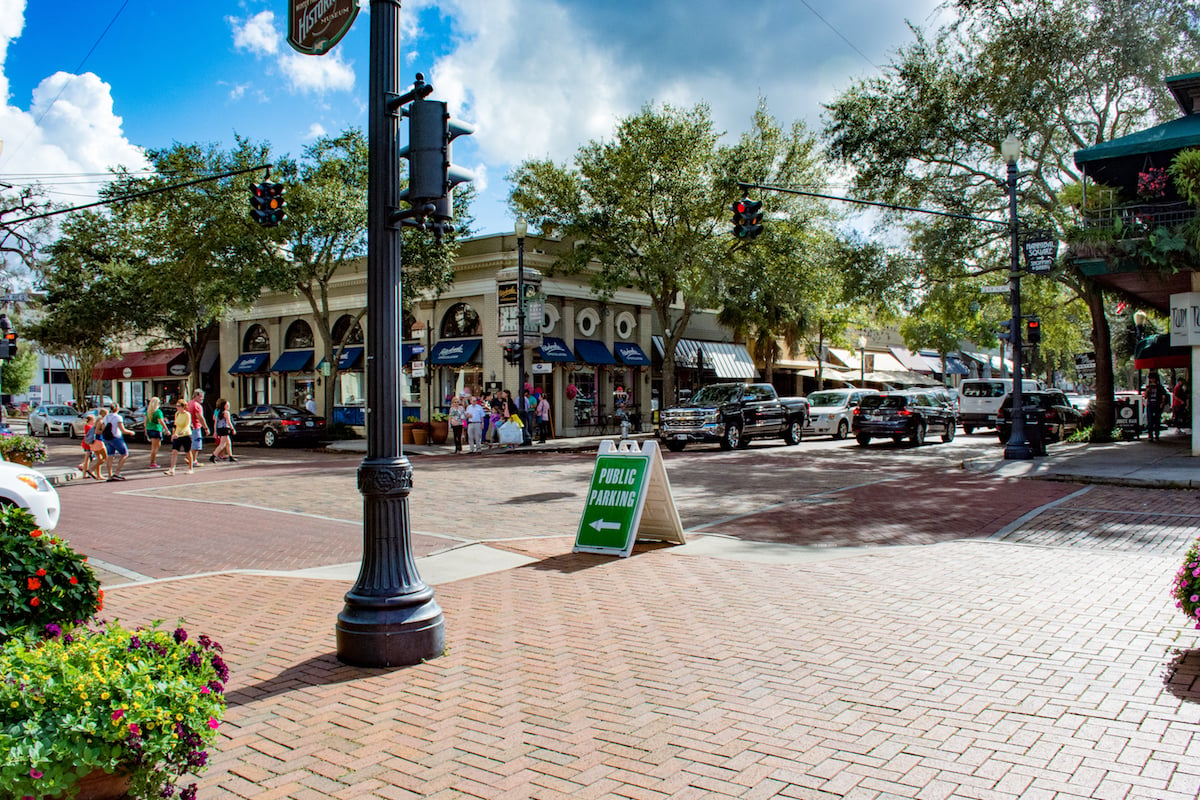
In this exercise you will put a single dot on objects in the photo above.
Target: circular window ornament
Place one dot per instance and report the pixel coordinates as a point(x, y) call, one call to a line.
point(550, 318)
point(625, 324)
point(588, 321)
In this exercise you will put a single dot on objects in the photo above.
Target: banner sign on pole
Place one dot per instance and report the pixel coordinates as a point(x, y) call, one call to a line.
point(315, 26)
point(1041, 251)
point(629, 498)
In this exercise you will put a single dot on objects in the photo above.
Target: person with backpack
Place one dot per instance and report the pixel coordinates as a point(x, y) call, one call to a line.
point(113, 431)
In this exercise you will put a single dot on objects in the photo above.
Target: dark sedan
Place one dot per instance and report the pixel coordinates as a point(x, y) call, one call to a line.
point(903, 415)
point(1049, 415)
point(273, 424)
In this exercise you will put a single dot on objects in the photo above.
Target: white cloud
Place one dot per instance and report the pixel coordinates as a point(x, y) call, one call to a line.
point(327, 73)
point(257, 34)
point(315, 131)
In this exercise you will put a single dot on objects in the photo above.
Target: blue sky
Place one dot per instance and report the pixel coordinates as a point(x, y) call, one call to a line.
point(89, 84)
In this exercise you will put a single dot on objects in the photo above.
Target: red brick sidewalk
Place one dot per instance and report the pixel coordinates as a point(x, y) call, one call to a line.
point(969, 669)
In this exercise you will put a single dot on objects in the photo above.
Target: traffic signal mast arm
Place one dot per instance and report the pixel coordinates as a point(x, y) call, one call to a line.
point(769, 188)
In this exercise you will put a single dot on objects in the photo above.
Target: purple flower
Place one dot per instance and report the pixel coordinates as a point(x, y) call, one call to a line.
point(189, 793)
point(180, 635)
point(53, 631)
point(222, 671)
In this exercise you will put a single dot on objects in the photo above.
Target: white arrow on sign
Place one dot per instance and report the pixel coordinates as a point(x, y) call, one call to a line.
point(600, 525)
point(993, 289)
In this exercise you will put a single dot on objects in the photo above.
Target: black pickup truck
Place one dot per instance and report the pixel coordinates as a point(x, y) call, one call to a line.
point(733, 414)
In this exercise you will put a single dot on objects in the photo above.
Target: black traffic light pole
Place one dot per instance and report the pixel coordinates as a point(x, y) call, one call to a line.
point(391, 617)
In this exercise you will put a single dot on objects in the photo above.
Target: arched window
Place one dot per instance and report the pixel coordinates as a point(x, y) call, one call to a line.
point(256, 340)
point(460, 320)
point(339, 328)
point(298, 335)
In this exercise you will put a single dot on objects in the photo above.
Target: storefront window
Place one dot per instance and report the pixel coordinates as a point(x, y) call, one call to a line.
point(355, 335)
point(299, 388)
point(460, 320)
point(256, 340)
point(351, 389)
point(584, 381)
point(254, 390)
point(299, 336)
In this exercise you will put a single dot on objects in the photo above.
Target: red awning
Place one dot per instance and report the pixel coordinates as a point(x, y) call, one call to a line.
point(140, 365)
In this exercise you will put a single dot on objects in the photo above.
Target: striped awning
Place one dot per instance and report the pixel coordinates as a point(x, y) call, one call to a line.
point(728, 360)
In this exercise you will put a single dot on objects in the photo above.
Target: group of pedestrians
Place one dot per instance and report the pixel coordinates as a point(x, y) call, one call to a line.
point(498, 419)
point(105, 447)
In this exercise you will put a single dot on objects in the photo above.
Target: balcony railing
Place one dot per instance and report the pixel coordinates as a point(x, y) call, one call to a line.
point(1140, 218)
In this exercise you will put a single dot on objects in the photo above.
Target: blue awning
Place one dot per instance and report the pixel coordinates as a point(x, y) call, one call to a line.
point(592, 352)
point(293, 361)
point(407, 351)
point(249, 362)
point(555, 349)
point(350, 357)
point(631, 355)
point(456, 351)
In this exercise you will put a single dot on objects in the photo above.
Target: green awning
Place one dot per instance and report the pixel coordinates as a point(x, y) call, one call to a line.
point(1168, 137)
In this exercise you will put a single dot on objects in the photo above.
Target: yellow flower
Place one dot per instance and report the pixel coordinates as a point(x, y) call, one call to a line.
point(104, 695)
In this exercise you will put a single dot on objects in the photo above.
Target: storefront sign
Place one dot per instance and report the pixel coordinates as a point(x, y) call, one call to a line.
point(629, 498)
point(1041, 251)
point(1185, 319)
point(542, 368)
point(418, 369)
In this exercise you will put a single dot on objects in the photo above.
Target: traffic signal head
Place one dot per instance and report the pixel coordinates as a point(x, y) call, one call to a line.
point(512, 352)
point(431, 175)
point(266, 203)
point(747, 218)
point(1033, 330)
point(1005, 334)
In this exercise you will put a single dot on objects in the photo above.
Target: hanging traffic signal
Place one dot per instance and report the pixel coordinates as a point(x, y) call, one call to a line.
point(266, 203)
point(10, 344)
point(1005, 334)
point(747, 218)
point(1033, 330)
point(512, 352)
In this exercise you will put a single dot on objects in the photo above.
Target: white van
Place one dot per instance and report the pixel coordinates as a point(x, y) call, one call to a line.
point(981, 399)
point(831, 411)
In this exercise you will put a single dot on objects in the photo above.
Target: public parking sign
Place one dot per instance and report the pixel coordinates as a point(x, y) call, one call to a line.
point(629, 495)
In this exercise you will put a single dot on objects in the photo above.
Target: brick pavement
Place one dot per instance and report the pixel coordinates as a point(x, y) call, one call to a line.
point(968, 669)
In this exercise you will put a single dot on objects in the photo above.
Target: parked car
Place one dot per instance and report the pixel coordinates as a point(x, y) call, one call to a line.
point(981, 399)
point(273, 424)
point(901, 415)
point(1085, 405)
point(79, 423)
point(831, 411)
point(1049, 417)
point(26, 487)
point(137, 423)
point(733, 414)
point(53, 420)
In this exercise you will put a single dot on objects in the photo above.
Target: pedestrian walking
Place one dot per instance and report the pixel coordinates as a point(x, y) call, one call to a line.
point(1155, 396)
point(310, 405)
point(223, 425)
point(181, 441)
point(199, 427)
point(526, 404)
point(458, 418)
point(113, 431)
point(543, 417)
point(475, 417)
point(1179, 405)
point(90, 465)
point(154, 429)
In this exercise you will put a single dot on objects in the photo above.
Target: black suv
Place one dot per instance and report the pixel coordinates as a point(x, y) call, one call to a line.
point(904, 415)
point(1049, 417)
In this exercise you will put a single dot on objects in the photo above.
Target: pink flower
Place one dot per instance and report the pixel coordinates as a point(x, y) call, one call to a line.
point(135, 729)
point(36, 773)
point(212, 723)
point(120, 712)
point(205, 690)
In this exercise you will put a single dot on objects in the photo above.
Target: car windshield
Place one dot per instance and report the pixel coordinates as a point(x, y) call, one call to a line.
point(983, 390)
point(828, 398)
point(721, 393)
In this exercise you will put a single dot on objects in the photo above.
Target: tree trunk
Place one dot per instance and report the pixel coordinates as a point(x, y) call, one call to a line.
point(1102, 344)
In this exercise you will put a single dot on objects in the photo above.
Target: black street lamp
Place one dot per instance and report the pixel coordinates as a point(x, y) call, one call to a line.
point(391, 617)
point(521, 228)
point(862, 361)
point(1017, 446)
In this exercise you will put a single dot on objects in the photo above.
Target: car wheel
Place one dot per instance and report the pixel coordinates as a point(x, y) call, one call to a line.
point(33, 431)
point(794, 432)
point(676, 447)
point(269, 438)
point(918, 435)
point(863, 439)
point(968, 429)
point(71, 432)
point(843, 430)
point(732, 436)
point(948, 436)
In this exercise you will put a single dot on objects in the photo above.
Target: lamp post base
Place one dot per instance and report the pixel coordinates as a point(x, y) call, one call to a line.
point(1014, 451)
point(371, 634)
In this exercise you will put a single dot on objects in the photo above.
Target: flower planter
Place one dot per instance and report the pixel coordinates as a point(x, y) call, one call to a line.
point(406, 432)
point(19, 458)
point(101, 785)
point(439, 432)
point(419, 435)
